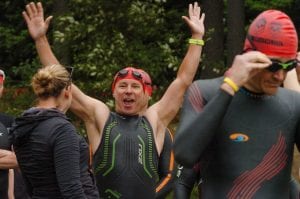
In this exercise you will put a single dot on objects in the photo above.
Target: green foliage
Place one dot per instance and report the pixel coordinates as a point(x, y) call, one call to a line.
point(16, 99)
point(105, 36)
point(267, 4)
point(18, 54)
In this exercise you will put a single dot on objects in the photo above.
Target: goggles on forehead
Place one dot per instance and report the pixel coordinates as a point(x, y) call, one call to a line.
point(277, 65)
point(133, 73)
point(124, 72)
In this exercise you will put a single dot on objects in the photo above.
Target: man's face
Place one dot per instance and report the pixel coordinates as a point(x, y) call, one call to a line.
point(130, 98)
point(266, 81)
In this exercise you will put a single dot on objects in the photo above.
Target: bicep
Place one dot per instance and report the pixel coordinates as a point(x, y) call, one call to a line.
point(170, 103)
point(92, 111)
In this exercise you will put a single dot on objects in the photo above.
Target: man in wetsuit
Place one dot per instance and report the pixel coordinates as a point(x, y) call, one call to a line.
point(242, 127)
point(166, 161)
point(166, 165)
point(126, 143)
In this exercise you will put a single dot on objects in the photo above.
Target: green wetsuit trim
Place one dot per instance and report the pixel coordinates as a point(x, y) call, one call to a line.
point(113, 157)
point(149, 135)
point(106, 146)
point(144, 158)
point(115, 194)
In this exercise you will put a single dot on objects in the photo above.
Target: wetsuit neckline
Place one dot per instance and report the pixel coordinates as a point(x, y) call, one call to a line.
point(252, 94)
point(124, 116)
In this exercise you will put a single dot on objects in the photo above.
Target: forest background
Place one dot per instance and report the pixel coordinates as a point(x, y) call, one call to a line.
point(99, 37)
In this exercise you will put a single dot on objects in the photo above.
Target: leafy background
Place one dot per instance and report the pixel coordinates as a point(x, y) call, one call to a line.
point(99, 37)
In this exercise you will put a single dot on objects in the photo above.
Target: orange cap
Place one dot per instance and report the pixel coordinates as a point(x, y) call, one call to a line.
point(273, 33)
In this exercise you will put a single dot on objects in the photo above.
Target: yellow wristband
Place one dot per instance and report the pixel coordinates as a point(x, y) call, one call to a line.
point(231, 84)
point(198, 42)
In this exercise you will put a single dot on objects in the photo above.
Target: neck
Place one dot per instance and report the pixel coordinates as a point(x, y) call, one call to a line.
point(49, 103)
point(252, 87)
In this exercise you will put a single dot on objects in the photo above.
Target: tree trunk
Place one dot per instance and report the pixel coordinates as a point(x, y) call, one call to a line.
point(213, 51)
point(236, 29)
point(62, 50)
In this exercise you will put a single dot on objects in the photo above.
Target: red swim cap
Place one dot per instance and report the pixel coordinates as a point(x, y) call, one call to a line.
point(2, 76)
point(135, 74)
point(147, 81)
point(273, 33)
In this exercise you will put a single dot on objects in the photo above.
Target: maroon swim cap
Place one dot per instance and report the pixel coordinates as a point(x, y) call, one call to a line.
point(273, 33)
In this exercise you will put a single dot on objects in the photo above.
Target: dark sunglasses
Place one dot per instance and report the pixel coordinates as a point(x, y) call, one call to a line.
point(70, 70)
point(287, 66)
point(124, 72)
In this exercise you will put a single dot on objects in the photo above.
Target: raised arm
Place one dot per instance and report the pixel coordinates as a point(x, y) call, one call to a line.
point(37, 27)
point(168, 106)
point(93, 112)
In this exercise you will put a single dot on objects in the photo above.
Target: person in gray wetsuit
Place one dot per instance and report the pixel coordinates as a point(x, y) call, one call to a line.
point(242, 127)
point(126, 143)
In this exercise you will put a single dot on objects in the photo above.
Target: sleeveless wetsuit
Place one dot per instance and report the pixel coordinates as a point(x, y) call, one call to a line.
point(125, 164)
point(244, 143)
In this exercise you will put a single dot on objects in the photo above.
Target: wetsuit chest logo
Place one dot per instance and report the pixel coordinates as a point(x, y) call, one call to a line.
point(140, 159)
point(239, 137)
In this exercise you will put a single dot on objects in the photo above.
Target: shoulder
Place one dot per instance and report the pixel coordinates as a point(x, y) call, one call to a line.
point(288, 95)
point(59, 126)
point(206, 88)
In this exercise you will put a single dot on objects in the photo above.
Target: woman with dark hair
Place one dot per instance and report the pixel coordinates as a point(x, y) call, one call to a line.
point(53, 158)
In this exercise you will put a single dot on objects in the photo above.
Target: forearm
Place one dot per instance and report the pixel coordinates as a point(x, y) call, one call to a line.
point(166, 186)
point(184, 183)
point(190, 63)
point(45, 52)
point(193, 135)
point(8, 159)
point(165, 168)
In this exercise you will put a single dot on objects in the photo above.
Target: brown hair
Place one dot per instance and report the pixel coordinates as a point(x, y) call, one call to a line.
point(50, 81)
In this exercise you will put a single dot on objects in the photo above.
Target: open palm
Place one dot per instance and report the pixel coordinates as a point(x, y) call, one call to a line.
point(195, 20)
point(34, 17)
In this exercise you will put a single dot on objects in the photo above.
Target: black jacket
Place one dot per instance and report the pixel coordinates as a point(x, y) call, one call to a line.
point(52, 156)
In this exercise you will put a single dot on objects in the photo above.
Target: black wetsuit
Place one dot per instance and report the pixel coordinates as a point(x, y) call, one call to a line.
point(5, 122)
point(126, 162)
point(244, 143)
point(187, 178)
point(166, 168)
point(53, 158)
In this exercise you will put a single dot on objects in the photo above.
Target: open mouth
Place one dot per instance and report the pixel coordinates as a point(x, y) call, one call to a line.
point(128, 102)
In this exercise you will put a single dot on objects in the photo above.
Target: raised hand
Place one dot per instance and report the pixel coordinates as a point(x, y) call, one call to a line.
point(195, 20)
point(34, 17)
point(246, 66)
